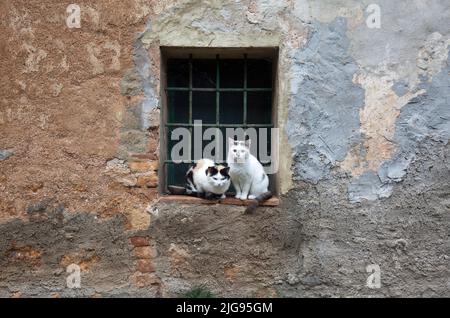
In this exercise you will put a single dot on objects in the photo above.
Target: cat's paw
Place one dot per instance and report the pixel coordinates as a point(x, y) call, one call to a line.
point(237, 196)
point(251, 197)
point(223, 196)
point(243, 197)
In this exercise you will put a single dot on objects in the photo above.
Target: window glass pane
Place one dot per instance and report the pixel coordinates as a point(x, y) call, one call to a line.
point(177, 73)
point(176, 174)
point(231, 73)
point(231, 190)
point(231, 107)
point(259, 110)
point(178, 102)
point(204, 73)
point(209, 147)
point(263, 147)
point(182, 153)
point(204, 107)
point(259, 73)
point(224, 145)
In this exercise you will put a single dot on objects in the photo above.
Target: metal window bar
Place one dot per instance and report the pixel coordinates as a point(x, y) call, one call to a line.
point(245, 90)
point(221, 125)
point(218, 90)
point(198, 89)
point(190, 101)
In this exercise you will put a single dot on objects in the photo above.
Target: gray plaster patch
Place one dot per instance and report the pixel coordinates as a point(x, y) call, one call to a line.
point(142, 64)
point(134, 140)
point(395, 169)
point(5, 154)
point(323, 119)
point(405, 25)
point(426, 117)
point(368, 187)
point(400, 88)
point(132, 117)
point(131, 83)
point(422, 123)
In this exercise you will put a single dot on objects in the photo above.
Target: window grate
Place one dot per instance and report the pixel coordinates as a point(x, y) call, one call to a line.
point(201, 95)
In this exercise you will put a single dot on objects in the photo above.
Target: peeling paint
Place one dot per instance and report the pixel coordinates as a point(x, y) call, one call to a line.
point(325, 102)
point(387, 152)
point(377, 119)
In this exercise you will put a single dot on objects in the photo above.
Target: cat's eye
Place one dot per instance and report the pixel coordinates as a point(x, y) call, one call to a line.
point(234, 150)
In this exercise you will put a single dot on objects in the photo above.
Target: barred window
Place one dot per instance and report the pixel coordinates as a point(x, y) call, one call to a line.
point(223, 91)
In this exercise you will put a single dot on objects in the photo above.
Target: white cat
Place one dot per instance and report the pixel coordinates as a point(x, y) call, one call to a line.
point(207, 179)
point(247, 173)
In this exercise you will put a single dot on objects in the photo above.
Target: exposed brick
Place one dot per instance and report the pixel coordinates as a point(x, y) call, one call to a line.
point(145, 252)
point(143, 166)
point(149, 193)
point(145, 279)
point(149, 181)
point(25, 254)
point(152, 193)
point(16, 294)
point(138, 218)
point(148, 156)
point(153, 144)
point(139, 241)
point(145, 266)
point(84, 259)
point(231, 272)
point(128, 181)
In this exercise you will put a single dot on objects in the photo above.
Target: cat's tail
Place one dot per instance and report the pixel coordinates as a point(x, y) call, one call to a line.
point(257, 201)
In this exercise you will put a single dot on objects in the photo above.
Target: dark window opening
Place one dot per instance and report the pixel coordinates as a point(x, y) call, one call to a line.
point(222, 92)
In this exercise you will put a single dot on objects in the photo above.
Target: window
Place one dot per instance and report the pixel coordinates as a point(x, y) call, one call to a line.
point(223, 90)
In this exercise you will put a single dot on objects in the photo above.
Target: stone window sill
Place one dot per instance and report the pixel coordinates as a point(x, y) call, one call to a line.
point(186, 199)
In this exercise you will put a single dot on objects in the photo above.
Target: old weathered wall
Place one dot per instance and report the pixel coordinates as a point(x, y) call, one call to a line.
point(364, 120)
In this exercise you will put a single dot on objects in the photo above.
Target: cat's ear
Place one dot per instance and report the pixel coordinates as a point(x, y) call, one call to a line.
point(248, 143)
point(225, 171)
point(211, 171)
point(230, 141)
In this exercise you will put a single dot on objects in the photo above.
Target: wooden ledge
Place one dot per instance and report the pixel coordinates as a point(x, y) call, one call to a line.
point(186, 199)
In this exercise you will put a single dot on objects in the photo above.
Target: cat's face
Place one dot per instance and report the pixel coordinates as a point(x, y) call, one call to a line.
point(218, 176)
point(238, 150)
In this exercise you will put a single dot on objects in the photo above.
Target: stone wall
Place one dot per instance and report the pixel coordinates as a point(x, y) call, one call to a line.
point(364, 122)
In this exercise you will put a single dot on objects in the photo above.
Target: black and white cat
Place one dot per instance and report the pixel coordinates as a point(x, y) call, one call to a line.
point(247, 174)
point(207, 179)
